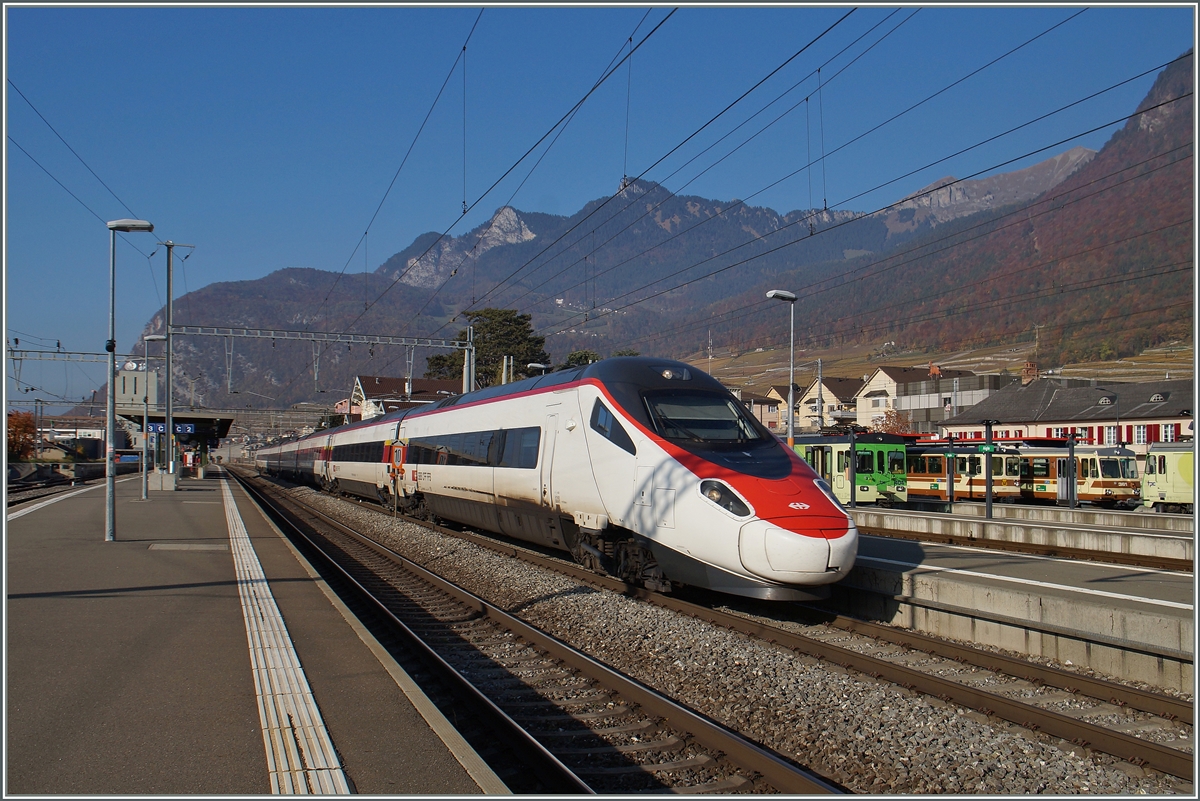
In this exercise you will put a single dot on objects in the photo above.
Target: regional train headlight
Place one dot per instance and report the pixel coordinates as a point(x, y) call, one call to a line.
point(724, 497)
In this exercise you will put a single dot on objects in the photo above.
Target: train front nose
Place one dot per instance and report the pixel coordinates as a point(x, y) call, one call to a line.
point(800, 550)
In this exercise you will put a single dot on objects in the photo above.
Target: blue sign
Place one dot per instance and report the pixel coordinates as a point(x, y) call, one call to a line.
point(157, 428)
point(185, 428)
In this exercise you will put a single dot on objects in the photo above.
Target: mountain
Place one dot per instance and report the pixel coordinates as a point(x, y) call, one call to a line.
point(1092, 249)
point(949, 198)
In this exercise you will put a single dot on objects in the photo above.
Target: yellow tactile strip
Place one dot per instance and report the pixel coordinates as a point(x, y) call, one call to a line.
point(300, 754)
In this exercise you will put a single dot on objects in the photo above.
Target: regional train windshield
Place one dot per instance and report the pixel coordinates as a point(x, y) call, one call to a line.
point(701, 417)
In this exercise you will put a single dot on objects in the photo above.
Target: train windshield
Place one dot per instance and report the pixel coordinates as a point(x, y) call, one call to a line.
point(701, 417)
point(1118, 468)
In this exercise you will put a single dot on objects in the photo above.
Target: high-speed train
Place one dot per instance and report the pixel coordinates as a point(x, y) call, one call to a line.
point(642, 468)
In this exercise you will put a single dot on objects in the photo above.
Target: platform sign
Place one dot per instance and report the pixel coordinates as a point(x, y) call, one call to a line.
point(156, 428)
point(987, 448)
point(185, 428)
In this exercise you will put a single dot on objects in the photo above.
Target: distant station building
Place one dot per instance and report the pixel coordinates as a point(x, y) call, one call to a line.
point(1135, 415)
point(374, 395)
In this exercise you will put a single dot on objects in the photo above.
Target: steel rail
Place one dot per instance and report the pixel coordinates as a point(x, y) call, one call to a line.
point(553, 772)
point(1104, 557)
point(1119, 744)
point(776, 771)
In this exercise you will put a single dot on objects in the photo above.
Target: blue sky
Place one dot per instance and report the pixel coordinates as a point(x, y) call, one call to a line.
point(267, 137)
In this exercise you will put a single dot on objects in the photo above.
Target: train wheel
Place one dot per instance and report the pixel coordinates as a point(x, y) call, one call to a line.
point(637, 565)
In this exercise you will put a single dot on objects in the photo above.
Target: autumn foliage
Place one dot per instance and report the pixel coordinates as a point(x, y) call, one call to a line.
point(21, 433)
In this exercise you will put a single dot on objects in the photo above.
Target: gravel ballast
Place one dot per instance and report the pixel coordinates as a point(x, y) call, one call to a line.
point(872, 737)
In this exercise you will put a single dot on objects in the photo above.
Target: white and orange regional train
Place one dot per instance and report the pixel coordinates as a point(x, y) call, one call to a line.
point(642, 468)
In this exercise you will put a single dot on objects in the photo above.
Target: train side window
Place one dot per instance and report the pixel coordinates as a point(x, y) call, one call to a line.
point(842, 461)
point(1162, 463)
point(935, 466)
point(879, 462)
point(1041, 467)
point(1150, 465)
point(916, 464)
point(606, 424)
point(521, 447)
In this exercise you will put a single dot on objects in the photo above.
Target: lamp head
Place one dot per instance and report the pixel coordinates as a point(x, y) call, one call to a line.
point(130, 225)
point(782, 294)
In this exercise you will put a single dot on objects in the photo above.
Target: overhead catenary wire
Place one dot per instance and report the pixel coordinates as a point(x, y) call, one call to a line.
point(509, 171)
point(891, 119)
point(907, 110)
point(673, 193)
point(688, 138)
point(1019, 217)
point(769, 251)
point(403, 161)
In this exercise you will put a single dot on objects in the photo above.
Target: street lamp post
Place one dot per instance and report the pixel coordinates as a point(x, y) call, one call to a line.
point(790, 299)
point(110, 461)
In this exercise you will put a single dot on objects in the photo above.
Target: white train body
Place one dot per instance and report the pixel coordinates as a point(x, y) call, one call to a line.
point(644, 468)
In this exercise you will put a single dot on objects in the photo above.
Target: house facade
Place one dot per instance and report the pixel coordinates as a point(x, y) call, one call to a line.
point(926, 396)
point(828, 402)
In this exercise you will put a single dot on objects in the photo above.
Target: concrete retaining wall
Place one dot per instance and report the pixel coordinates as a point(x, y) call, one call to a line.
point(1129, 643)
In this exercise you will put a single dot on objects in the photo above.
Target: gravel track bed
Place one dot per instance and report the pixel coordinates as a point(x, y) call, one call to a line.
point(870, 736)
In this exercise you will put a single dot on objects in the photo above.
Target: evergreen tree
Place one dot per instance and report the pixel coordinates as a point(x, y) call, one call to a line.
point(498, 333)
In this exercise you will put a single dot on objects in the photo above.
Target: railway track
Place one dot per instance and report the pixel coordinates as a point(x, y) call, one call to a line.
point(25, 492)
point(1099, 715)
point(584, 726)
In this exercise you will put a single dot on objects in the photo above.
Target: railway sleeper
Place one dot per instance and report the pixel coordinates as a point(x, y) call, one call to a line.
point(640, 727)
point(668, 744)
point(699, 761)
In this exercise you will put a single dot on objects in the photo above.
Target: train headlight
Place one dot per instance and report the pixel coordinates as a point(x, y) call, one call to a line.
point(724, 497)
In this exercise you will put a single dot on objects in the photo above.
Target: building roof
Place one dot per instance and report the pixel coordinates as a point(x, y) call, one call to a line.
point(750, 396)
point(377, 387)
point(844, 389)
point(1047, 399)
point(909, 375)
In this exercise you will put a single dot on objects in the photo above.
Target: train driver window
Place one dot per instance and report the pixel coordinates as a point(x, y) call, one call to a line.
point(896, 462)
point(606, 424)
point(865, 463)
point(1012, 466)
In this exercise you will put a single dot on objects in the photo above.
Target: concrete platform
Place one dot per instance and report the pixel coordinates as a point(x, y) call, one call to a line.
point(1042, 526)
point(130, 668)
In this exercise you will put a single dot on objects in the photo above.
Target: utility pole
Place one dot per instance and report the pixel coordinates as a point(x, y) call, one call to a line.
point(170, 421)
point(820, 398)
